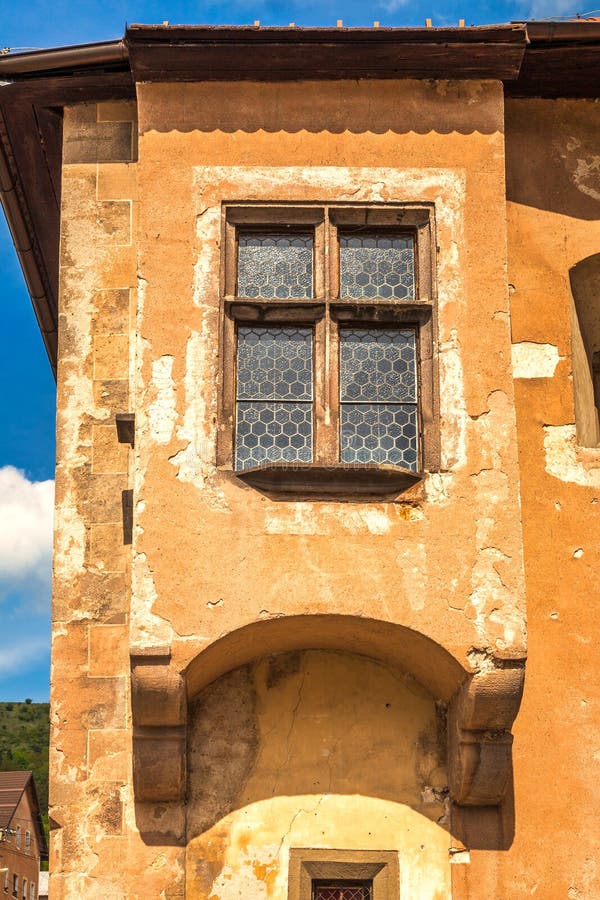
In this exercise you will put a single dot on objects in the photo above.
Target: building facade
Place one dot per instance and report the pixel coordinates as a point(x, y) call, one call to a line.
point(324, 309)
point(22, 838)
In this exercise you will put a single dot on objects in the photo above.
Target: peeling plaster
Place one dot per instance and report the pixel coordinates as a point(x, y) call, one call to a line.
point(195, 463)
point(146, 627)
point(531, 360)
point(566, 460)
point(162, 414)
point(375, 521)
point(453, 409)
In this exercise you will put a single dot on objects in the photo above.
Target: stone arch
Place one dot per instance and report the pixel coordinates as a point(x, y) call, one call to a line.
point(427, 661)
point(482, 703)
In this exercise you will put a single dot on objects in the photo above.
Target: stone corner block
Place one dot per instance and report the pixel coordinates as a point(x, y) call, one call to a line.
point(159, 710)
point(480, 719)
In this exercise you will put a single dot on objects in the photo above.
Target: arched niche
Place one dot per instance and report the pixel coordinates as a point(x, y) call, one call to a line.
point(481, 704)
point(314, 749)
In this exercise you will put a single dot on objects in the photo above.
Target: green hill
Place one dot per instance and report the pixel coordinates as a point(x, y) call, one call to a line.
point(24, 740)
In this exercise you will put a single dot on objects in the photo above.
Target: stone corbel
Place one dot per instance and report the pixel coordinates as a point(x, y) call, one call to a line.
point(480, 719)
point(159, 712)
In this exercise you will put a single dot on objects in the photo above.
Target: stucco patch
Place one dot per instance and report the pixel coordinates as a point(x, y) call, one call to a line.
point(146, 626)
point(531, 360)
point(161, 412)
point(566, 460)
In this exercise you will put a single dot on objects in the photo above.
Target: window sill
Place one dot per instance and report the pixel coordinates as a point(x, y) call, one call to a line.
point(339, 478)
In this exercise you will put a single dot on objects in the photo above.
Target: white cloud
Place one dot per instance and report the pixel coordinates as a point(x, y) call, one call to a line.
point(23, 654)
point(26, 517)
point(546, 9)
point(392, 6)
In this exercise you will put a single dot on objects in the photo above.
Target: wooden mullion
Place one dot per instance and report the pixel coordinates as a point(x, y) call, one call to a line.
point(225, 432)
point(321, 387)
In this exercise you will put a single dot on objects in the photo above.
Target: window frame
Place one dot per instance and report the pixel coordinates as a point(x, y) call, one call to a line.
point(326, 312)
point(378, 867)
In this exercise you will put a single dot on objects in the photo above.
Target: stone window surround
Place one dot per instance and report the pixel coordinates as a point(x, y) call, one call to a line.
point(381, 867)
point(326, 474)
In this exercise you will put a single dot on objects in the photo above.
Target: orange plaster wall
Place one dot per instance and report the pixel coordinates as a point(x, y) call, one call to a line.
point(553, 193)
point(211, 555)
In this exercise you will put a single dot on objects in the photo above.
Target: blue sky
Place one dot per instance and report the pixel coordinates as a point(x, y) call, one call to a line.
point(27, 423)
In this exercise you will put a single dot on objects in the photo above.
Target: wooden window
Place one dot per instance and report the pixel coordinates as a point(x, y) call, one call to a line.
point(27, 841)
point(24, 889)
point(18, 836)
point(329, 371)
point(6, 880)
point(343, 875)
point(15, 886)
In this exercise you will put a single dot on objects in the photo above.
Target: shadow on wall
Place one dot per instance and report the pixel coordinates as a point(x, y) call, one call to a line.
point(320, 749)
point(311, 749)
point(314, 722)
point(552, 160)
point(359, 107)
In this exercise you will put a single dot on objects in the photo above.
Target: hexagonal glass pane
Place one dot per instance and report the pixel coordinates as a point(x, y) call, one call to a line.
point(377, 265)
point(378, 364)
point(379, 433)
point(275, 266)
point(274, 363)
point(287, 436)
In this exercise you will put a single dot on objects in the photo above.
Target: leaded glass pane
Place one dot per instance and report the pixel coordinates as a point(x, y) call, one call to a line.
point(377, 265)
point(274, 363)
point(274, 395)
point(379, 433)
point(273, 432)
point(378, 365)
point(275, 266)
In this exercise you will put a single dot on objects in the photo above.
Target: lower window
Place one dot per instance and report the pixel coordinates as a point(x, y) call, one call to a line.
point(343, 875)
point(342, 890)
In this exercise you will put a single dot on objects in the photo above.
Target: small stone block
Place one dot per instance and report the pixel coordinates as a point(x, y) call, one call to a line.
point(112, 311)
point(159, 764)
point(116, 111)
point(121, 268)
point(108, 650)
point(111, 356)
point(105, 498)
point(111, 394)
point(117, 181)
point(109, 456)
point(109, 755)
point(113, 221)
point(107, 551)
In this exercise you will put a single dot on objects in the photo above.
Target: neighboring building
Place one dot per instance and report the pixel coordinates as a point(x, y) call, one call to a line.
point(22, 838)
point(324, 309)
